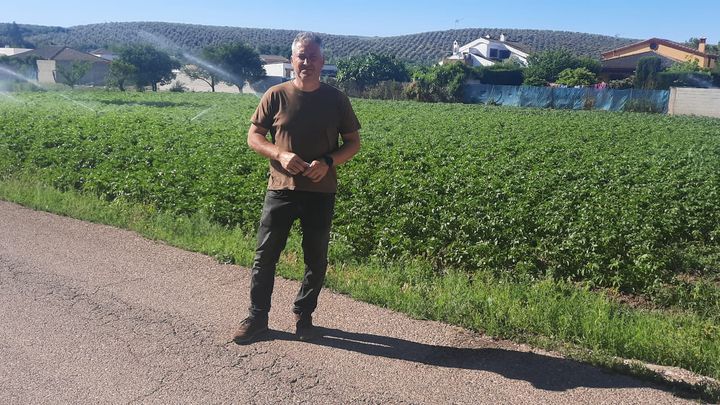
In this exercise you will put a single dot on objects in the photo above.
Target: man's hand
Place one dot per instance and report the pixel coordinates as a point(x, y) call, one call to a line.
point(316, 171)
point(292, 163)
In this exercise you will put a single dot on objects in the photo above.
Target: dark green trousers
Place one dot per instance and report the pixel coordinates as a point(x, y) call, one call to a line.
point(280, 210)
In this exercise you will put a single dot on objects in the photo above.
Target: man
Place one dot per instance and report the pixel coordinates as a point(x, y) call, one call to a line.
point(304, 118)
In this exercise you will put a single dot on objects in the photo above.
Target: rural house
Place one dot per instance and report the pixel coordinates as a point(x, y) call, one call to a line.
point(50, 58)
point(621, 62)
point(278, 69)
point(276, 66)
point(279, 66)
point(487, 51)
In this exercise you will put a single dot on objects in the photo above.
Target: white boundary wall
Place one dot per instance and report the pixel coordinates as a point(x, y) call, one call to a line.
point(692, 101)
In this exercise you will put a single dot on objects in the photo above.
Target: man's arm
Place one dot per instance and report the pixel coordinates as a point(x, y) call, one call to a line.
point(351, 145)
point(257, 140)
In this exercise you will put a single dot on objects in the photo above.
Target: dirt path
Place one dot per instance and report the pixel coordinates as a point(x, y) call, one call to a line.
point(93, 314)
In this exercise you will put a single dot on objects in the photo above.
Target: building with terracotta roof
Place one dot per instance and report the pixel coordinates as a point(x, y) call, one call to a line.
point(621, 62)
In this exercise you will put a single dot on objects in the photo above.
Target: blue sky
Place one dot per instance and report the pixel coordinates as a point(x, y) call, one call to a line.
point(640, 19)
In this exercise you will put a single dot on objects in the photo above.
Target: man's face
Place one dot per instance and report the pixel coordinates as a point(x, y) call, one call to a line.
point(307, 61)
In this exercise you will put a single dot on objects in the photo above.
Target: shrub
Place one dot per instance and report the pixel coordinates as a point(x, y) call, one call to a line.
point(178, 87)
point(665, 80)
point(622, 84)
point(647, 71)
point(499, 74)
point(386, 90)
point(577, 77)
point(691, 65)
point(439, 83)
point(641, 105)
point(545, 67)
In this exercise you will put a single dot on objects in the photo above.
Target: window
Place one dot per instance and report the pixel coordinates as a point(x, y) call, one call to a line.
point(499, 53)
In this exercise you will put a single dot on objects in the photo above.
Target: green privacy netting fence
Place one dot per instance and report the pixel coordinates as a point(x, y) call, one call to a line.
point(568, 98)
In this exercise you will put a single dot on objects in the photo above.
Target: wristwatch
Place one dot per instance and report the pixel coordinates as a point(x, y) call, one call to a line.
point(328, 160)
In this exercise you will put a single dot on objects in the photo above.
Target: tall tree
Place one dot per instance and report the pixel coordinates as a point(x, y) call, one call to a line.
point(120, 72)
point(545, 67)
point(195, 72)
point(646, 74)
point(152, 66)
point(234, 64)
point(72, 74)
point(371, 69)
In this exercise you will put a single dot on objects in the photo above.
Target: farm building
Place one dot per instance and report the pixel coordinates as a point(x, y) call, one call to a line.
point(51, 58)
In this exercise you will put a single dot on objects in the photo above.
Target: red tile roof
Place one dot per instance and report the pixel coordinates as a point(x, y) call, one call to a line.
point(671, 44)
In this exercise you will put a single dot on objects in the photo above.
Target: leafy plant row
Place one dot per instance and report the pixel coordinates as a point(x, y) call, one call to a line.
point(617, 200)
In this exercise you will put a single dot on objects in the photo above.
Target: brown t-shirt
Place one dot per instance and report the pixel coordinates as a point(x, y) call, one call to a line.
point(307, 124)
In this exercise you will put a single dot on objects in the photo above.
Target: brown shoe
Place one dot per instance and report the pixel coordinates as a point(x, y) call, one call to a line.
point(304, 329)
point(250, 328)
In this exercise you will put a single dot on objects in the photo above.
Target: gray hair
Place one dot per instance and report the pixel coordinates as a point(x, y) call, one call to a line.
point(306, 38)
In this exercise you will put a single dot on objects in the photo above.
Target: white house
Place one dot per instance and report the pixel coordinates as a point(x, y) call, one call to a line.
point(487, 51)
point(279, 69)
point(278, 66)
point(285, 70)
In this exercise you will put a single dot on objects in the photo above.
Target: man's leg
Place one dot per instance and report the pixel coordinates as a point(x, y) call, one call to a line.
point(316, 213)
point(279, 212)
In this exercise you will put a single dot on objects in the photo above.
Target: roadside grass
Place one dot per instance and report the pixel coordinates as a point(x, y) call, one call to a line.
point(582, 324)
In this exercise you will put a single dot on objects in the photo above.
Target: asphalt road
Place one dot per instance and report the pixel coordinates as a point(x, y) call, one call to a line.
point(94, 314)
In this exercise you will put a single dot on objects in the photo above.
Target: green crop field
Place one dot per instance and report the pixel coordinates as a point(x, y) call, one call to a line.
point(622, 205)
point(625, 201)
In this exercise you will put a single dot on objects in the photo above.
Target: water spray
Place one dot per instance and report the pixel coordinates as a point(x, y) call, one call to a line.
point(77, 102)
point(37, 85)
point(21, 77)
point(168, 46)
point(201, 113)
point(7, 95)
